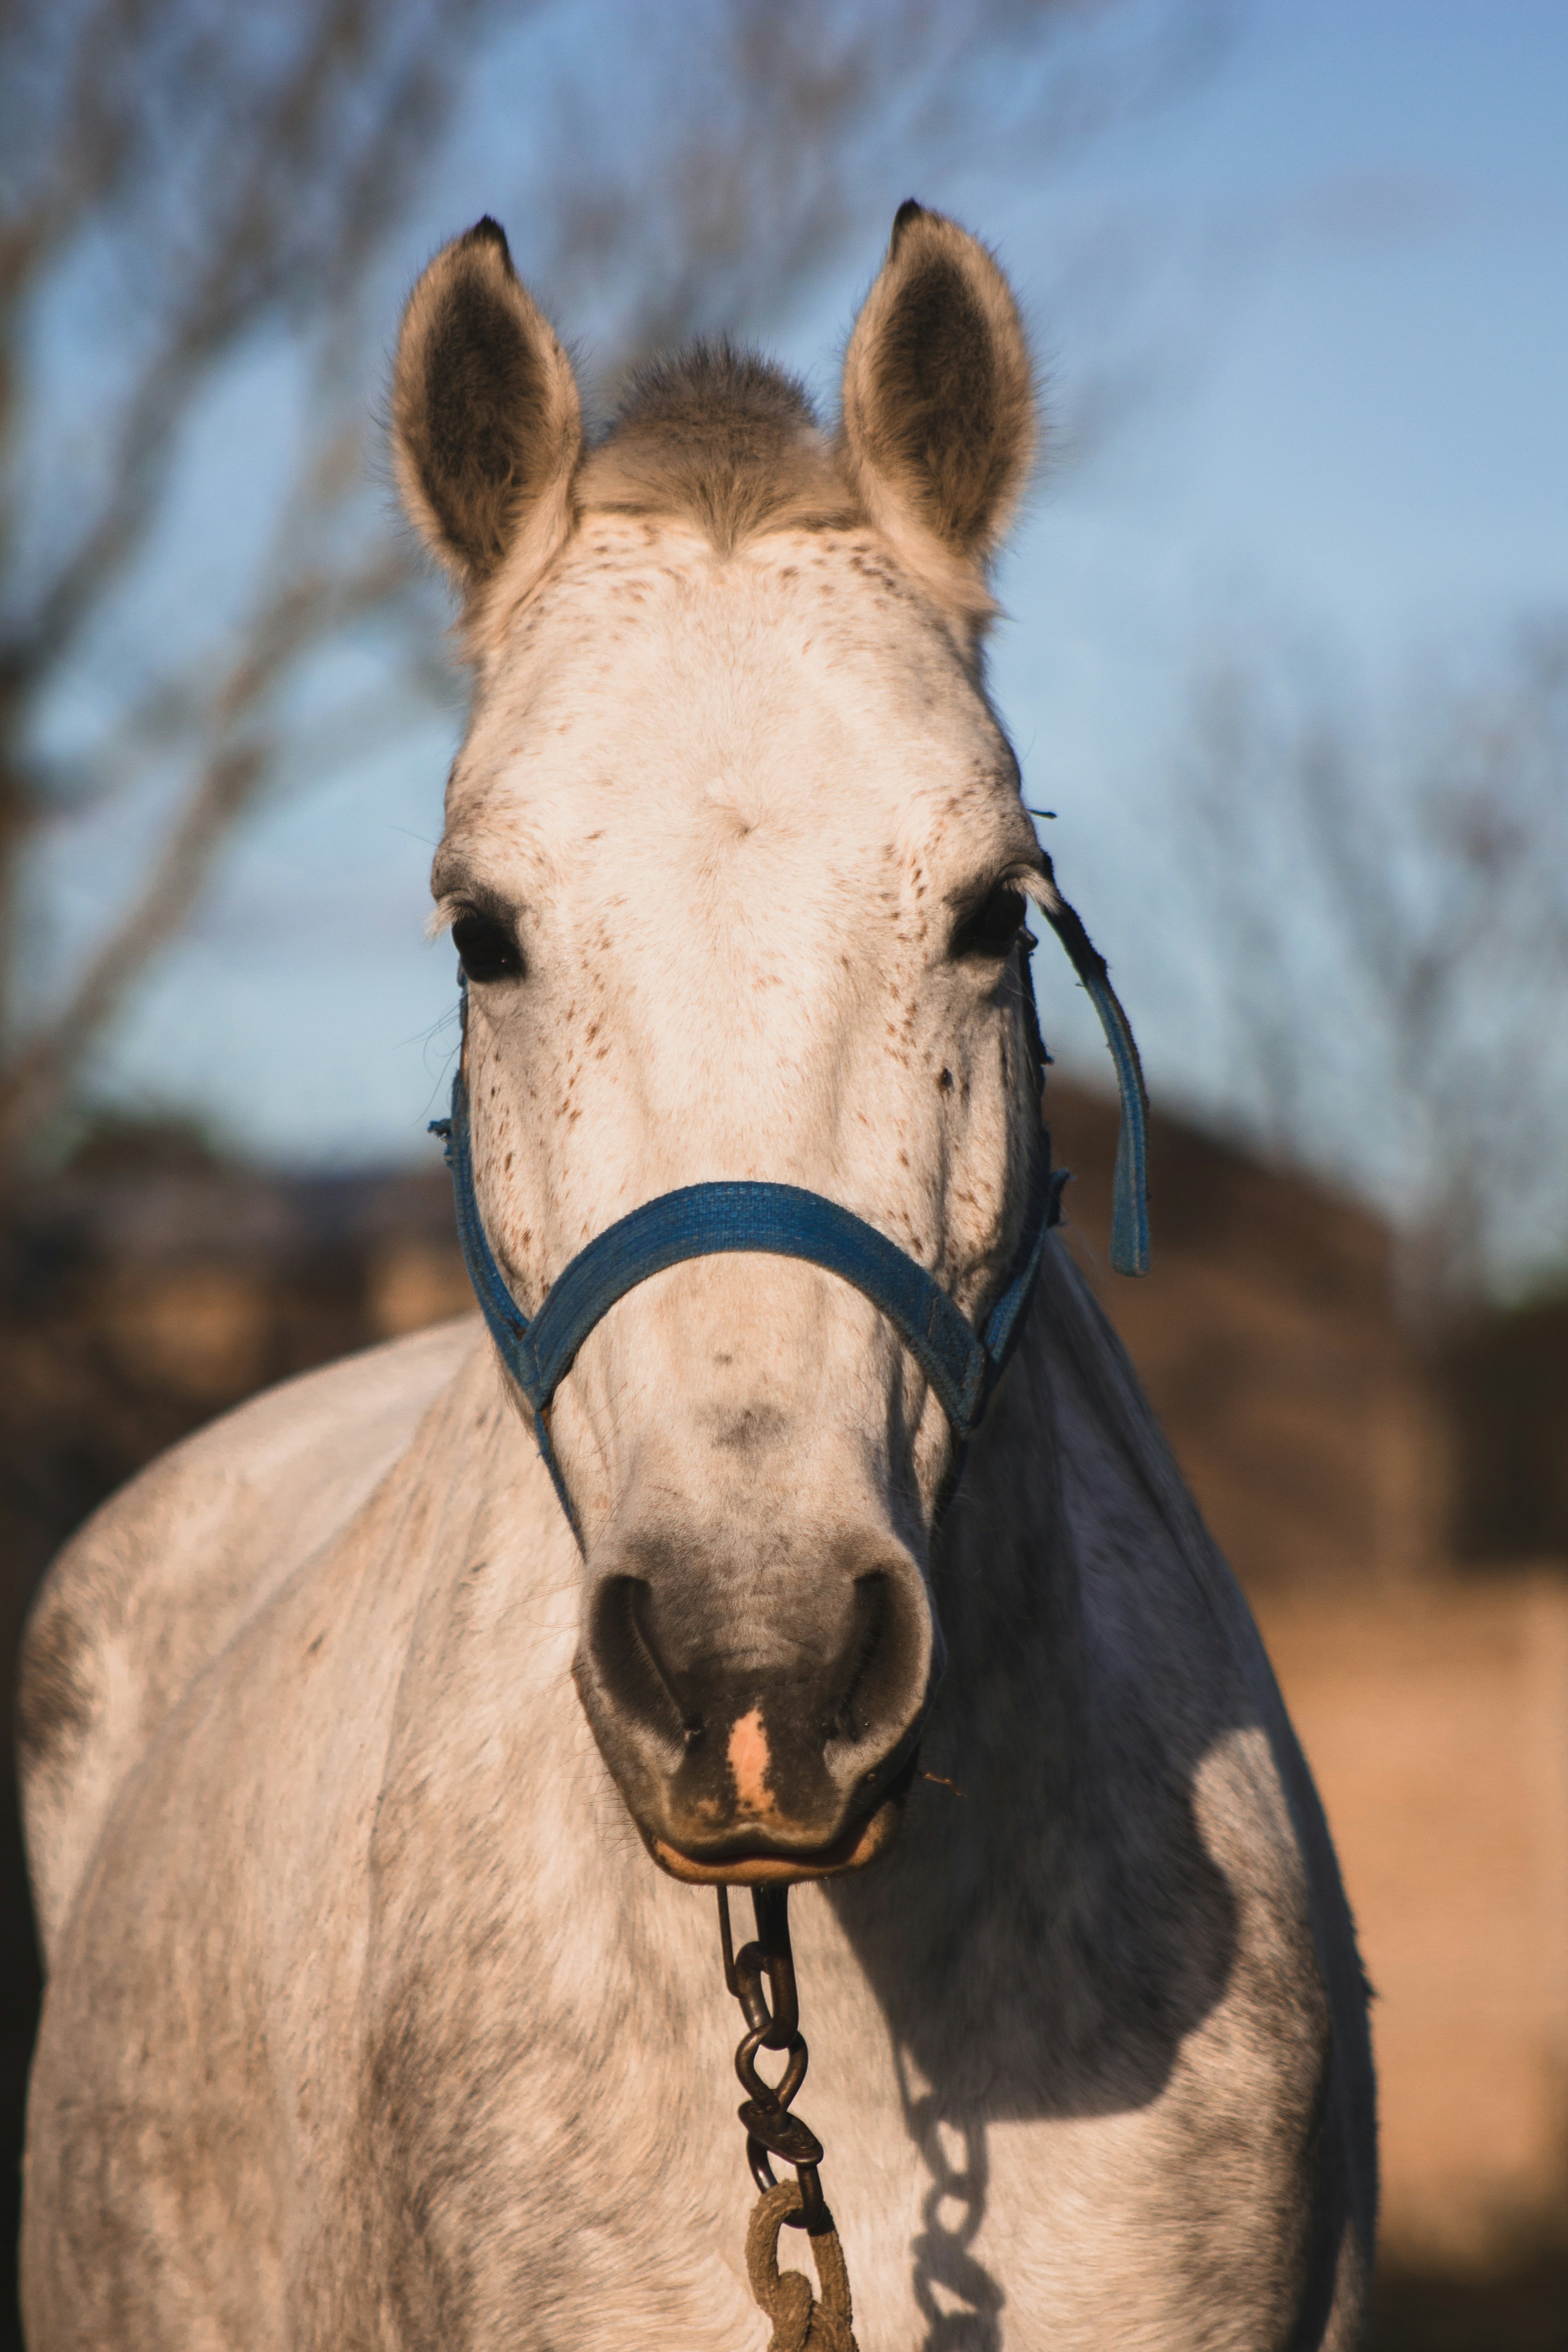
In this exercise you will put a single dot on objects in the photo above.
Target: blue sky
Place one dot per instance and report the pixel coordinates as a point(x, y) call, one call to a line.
point(1345, 332)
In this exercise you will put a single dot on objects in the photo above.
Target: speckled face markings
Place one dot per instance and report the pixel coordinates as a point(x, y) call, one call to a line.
point(734, 806)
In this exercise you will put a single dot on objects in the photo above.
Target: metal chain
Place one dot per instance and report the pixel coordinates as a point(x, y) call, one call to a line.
point(801, 2323)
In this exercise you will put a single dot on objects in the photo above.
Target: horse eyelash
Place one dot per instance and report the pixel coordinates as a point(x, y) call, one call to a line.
point(1037, 887)
point(453, 903)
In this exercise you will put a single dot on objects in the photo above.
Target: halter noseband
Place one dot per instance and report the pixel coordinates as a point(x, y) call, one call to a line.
point(781, 1220)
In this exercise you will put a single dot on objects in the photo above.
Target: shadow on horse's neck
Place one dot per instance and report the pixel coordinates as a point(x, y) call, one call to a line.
point(1050, 1925)
point(994, 1793)
point(1008, 1724)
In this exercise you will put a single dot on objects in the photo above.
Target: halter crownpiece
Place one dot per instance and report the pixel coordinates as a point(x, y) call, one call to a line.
point(962, 1365)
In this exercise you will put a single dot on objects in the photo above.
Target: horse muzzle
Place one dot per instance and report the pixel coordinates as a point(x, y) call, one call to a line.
point(860, 1843)
point(759, 1724)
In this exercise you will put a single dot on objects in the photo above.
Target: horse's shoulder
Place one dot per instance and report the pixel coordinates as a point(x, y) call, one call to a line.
point(160, 1578)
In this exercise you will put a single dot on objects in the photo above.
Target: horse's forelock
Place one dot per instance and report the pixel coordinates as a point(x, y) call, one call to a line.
point(724, 437)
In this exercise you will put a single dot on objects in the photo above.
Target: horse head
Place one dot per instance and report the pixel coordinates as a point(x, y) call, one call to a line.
point(736, 866)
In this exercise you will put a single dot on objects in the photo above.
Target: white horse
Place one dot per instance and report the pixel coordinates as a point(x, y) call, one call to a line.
point(370, 2020)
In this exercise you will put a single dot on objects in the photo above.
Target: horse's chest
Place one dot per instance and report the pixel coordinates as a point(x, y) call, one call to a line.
point(973, 2218)
point(976, 2208)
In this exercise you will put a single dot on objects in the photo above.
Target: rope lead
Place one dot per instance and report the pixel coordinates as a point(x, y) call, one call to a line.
point(802, 2322)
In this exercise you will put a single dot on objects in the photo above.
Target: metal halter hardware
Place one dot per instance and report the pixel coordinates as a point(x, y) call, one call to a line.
point(962, 1365)
point(771, 2129)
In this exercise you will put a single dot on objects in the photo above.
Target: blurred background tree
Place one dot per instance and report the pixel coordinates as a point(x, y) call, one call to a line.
point(1383, 896)
point(178, 177)
point(184, 184)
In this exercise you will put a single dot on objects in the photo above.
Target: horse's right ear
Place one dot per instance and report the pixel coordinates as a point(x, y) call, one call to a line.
point(486, 424)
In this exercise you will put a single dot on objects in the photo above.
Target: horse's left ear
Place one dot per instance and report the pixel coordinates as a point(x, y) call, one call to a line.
point(938, 398)
point(487, 422)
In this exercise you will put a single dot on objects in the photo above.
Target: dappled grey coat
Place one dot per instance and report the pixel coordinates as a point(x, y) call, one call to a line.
point(370, 2019)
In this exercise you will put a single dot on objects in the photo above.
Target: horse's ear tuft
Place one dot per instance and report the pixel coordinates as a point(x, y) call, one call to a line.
point(938, 398)
point(486, 424)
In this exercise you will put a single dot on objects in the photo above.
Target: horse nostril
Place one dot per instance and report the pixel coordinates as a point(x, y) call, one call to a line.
point(629, 1665)
point(879, 1666)
point(848, 1717)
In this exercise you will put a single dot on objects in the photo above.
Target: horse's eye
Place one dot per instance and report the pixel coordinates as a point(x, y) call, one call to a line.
point(990, 929)
point(487, 951)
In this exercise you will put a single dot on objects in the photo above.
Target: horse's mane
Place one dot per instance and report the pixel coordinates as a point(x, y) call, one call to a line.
point(724, 438)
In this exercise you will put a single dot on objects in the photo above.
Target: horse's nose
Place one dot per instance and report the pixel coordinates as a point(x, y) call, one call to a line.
point(756, 1713)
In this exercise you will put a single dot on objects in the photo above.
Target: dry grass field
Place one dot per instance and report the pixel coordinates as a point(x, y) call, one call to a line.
point(1436, 1721)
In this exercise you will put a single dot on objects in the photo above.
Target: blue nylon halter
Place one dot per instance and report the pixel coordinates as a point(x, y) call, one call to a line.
point(962, 1365)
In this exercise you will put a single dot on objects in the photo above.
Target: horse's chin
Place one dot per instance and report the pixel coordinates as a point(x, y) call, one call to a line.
point(858, 1845)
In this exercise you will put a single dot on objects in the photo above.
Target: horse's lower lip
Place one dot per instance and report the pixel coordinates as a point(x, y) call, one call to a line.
point(860, 1844)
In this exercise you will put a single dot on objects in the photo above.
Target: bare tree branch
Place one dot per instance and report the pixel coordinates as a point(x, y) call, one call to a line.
point(1390, 917)
point(217, 170)
point(37, 1084)
point(210, 175)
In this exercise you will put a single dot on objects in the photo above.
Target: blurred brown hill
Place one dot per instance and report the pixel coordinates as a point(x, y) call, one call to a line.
point(1310, 1430)
point(1319, 1439)
point(153, 1285)
point(1399, 1521)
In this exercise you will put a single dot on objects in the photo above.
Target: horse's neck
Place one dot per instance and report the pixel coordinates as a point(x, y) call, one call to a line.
point(1009, 1593)
point(996, 1797)
point(1056, 1869)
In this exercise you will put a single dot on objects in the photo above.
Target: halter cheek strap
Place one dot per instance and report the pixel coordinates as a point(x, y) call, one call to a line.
point(962, 1365)
point(1130, 1180)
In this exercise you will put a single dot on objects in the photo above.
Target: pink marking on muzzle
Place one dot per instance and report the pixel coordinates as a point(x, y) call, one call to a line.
point(749, 1761)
